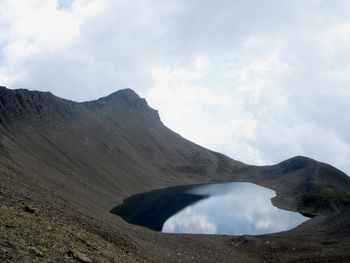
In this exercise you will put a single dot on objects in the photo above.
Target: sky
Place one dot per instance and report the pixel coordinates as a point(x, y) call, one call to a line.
point(260, 81)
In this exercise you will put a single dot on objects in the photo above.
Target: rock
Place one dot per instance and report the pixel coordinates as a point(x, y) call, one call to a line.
point(36, 252)
point(79, 256)
point(3, 250)
point(6, 243)
point(241, 240)
point(10, 226)
point(30, 209)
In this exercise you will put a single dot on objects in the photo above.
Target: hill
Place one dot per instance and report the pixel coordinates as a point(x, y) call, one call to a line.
point(64, 165)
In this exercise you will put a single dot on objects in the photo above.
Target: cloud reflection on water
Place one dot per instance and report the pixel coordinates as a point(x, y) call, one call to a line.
point(233, 208)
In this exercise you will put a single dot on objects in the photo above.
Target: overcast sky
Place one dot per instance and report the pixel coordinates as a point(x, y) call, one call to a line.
point(260, 81)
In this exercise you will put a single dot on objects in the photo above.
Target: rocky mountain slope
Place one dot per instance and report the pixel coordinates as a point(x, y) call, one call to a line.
point(64, 165)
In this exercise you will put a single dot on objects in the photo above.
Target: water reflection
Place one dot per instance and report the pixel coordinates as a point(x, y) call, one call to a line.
point(232, 208)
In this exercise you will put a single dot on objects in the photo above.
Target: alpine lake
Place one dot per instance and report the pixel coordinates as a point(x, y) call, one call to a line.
point(234, 208)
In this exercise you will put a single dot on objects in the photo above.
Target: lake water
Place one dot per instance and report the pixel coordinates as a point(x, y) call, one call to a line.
point(229, 208)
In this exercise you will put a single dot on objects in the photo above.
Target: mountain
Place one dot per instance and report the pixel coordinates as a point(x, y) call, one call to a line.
point(67, 164)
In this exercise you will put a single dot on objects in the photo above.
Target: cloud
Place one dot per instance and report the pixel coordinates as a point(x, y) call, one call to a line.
point(188, 221)
point(258, 81)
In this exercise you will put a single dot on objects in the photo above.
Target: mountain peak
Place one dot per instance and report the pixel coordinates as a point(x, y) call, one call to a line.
point(124, 99)
point(126, 92)
point(127, 95)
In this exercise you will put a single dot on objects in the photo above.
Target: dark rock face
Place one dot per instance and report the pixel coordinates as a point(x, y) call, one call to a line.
point(19, 104)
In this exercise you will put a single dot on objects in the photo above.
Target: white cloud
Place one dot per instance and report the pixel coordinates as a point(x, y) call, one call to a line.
point(259, 81)
point(33, 29)
point(188, 221)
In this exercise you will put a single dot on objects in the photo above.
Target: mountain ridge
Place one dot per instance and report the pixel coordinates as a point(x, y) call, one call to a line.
point(23, 102)
point(89, 156)
point(129, 115)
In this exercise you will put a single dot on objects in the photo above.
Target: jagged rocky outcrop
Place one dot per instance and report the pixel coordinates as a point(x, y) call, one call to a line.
point(20, 104)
